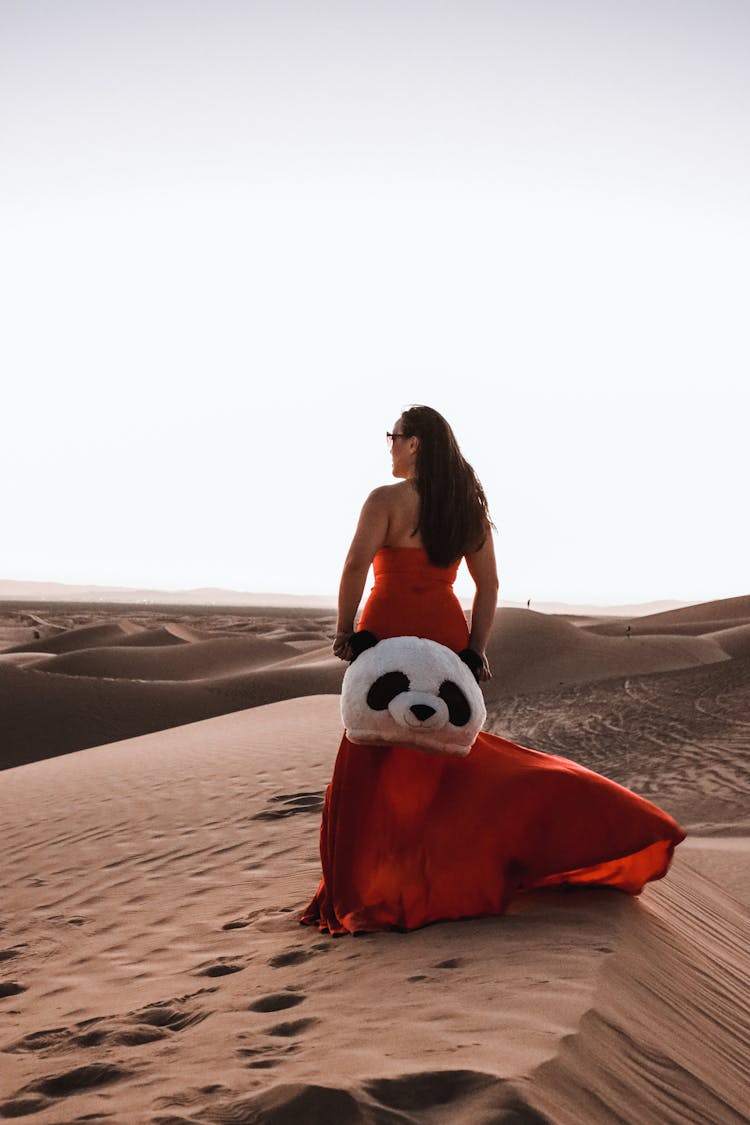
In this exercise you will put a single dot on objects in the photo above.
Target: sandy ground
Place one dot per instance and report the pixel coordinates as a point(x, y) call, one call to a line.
point(152, 968)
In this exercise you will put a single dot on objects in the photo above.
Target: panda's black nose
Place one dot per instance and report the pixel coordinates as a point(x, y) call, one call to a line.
point(422, 711)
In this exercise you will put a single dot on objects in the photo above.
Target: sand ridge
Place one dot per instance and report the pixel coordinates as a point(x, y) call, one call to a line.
point(198, 660)
point(531, 651)
point(736, 610)
point(690, 620)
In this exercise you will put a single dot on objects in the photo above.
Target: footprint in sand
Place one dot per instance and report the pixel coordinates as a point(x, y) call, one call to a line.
point(80, 1078)
point(146, 1025)
point(303, 1101)
point(9, 954)
point(268, 921)
point(265, 1058)
point(450, 963)
point(290, 804)
point(11, 988)
point(219, 968)
point(450, 1091)
point(41, 1094)
point(295, 955)
point(276, 1002)
point(290, 957)
point(291, 1028)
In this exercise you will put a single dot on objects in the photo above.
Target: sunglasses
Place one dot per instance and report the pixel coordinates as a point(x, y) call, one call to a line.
point(390, 438)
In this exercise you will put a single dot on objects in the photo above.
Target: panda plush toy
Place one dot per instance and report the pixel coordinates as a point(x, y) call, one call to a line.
point(413, 692)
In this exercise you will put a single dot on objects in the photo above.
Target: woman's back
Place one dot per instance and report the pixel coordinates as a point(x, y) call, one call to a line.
point(402, 501)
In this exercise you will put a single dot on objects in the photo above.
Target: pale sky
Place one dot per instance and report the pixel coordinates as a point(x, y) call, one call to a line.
point(239, 237)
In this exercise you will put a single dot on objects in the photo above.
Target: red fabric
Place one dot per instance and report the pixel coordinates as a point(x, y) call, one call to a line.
point(409, 837)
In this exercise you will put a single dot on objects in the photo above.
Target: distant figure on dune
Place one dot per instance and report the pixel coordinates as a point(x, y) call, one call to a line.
point(528, 603)
point(408, 836)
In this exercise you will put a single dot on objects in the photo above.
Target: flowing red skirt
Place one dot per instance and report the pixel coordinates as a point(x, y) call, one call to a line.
point(409, 837)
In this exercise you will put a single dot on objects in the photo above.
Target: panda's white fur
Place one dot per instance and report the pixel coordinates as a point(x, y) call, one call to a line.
point(428, 667)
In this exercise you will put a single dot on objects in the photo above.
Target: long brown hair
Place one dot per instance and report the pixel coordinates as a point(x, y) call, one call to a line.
point(454, 517)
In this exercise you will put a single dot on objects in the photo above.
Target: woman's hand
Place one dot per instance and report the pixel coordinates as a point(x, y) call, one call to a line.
point(477, 663)
point(341, 647)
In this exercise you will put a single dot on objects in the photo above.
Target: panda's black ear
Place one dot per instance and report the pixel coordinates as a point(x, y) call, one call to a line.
point(361, 641)
point(472, 660)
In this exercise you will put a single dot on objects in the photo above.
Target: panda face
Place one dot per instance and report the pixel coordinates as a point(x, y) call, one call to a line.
point(412, 691)
point(420, 709)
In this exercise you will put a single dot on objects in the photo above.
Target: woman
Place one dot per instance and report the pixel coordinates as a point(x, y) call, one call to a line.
point(409, 837)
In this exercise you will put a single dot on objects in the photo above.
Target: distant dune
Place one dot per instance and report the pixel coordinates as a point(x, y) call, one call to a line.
point(736, 610)
point(688, 620)
point(98, 677)
point(203, 659)
point(531, 651)
point(42, 592)
point(735, 642)
point(84, 636)
point(212, 597)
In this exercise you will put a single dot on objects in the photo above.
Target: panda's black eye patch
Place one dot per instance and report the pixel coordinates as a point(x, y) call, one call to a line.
point(459, 711)
point(386, 688)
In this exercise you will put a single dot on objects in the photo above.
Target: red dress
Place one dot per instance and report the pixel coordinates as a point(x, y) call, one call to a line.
point(409, 837)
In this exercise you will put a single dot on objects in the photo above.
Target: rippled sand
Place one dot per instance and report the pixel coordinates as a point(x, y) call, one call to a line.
point(152, 968)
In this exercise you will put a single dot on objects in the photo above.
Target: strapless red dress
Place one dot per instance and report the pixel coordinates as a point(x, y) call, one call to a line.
point(409, 837)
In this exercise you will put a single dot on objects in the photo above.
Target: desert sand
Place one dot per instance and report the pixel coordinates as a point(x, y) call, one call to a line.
point(160, 806)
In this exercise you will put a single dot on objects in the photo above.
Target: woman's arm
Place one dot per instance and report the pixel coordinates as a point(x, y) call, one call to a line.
point(370, 536)
point(483, 569)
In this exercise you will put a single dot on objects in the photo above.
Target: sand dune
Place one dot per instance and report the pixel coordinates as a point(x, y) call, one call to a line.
point(151, 963)
point(306, 636)
point(170, 634)
point(24, 659)
point(531, 651)
point(734, 610)
point(198, 660)
point(620, 627)
point(18, 634)
point(84, 636)
point(154, 971)
point(46, 714)
point(123, 676)
point(725, 861)
point(692, 620)
point(735, 642)
point(665, 1038)
point(24, 593)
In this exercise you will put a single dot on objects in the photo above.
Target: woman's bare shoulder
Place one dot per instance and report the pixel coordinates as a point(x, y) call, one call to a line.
point(390, 494)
